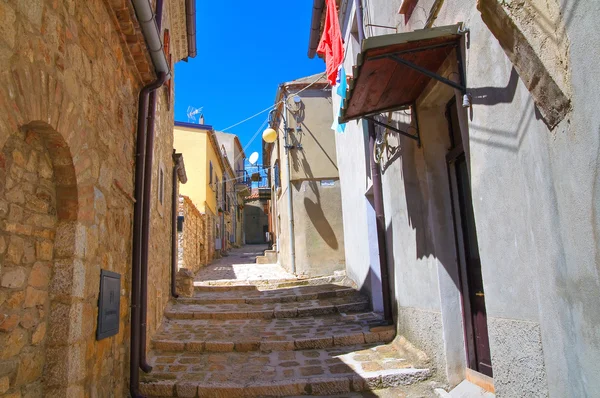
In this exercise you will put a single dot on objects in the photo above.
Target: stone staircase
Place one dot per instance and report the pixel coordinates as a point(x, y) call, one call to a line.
point(319, 339)
point(269, 257)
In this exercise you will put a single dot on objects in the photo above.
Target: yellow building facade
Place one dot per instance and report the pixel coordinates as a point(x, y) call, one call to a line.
point(205, 169)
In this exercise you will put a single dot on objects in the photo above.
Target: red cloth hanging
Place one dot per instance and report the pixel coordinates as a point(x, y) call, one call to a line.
point(331, 45)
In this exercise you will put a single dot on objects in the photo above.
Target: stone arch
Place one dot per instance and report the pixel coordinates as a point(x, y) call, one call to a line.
point(40, 117)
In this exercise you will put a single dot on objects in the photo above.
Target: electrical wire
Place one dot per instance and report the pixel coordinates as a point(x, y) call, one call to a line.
point(272, 106)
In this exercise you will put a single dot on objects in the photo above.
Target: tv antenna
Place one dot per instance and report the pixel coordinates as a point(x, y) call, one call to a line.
point(192, 112)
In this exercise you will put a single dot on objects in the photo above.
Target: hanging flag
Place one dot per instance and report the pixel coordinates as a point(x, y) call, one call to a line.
point(331, 45)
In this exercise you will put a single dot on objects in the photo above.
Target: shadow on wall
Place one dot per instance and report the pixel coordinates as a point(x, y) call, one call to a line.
point(314, 210)
point(319, 220)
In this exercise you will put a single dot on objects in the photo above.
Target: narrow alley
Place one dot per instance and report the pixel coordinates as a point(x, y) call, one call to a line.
point(255, 330)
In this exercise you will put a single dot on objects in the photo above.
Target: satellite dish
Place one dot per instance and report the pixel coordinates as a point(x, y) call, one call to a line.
point(253, 158)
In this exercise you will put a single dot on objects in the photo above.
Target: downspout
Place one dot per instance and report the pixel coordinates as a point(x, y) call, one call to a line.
point(289, 184)
point(380, 221)
point(146, 206)
point(190, 21)
point(151, 33)
point(315, 27)
point(137, 237)
point(377, 197)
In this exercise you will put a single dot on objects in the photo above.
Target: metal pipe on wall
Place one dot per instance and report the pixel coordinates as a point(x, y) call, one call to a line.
point(380, 222)
point(289, 183)
point(377, 196)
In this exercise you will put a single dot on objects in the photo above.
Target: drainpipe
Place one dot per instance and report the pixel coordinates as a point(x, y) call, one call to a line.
point(151, 33)
point(359, 22)
point(146, 207)
point(147, 201)
point(315, 27)
point(377, 197)
point(380, 221)
point(289, 183)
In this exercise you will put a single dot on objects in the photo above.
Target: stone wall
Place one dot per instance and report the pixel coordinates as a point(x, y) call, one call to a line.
point(159, 256)
point(191, 239)
point(210, 229)
point(28, 215)
point(68, 106)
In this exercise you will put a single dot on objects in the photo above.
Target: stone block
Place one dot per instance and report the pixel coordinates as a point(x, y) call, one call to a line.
point(219, 346)
point(30, 368)
point(185, 283)
point(312, 343)
point(186, 389)
point(169, 345)
point(35, 297)
point(349, 339)
point(14, 278)
point(44, 250)
point(163, 388)
point(39, 334)
point(8, 322)
point(12, 343)
point(276, 389)
point(277, 345)
point(29, 319)
point(15, 300)
point(245, 346)
point(195, 346)
point(2, 244)
point(28, 252)
point(39, 277)
point(16, 249)
point(4, 384)
point(325, 386)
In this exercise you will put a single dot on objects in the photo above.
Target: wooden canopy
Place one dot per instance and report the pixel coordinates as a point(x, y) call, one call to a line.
point(386, 76)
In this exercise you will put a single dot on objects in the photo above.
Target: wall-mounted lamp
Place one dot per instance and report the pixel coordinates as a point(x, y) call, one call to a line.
point(269, 135)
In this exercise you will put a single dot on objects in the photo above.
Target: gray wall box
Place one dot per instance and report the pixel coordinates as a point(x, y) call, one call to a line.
point(109, 303)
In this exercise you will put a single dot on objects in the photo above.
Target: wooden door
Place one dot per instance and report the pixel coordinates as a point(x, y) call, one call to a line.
point(478, 346)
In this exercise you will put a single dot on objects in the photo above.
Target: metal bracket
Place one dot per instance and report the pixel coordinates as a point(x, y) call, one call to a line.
point(429, 73)
point(416, 137)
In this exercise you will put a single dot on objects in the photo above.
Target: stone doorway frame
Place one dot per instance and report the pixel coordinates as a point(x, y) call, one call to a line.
point(38, 102)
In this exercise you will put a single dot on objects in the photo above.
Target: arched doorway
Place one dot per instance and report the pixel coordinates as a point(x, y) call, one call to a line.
point(38, 213)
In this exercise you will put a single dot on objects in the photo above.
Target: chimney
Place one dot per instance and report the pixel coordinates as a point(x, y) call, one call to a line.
point(201, 119)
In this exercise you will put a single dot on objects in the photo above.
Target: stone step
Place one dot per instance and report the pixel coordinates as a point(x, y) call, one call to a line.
point(327, 371)
point(304, 308)
point(256, 296)
point(212, 335)
point(248, 284)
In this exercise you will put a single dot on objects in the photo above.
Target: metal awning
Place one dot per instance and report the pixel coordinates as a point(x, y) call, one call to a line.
point(393, 70)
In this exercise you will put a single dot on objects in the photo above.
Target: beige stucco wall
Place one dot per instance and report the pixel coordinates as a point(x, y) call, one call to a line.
point(316, 201)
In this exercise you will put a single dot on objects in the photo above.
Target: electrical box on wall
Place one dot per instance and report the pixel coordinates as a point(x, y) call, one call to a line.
point(109, 304)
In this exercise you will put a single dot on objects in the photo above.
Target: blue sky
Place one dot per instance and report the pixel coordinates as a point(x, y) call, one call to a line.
point(245, 50)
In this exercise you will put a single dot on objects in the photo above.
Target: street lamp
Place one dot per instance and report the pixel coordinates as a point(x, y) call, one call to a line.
point(269, 135)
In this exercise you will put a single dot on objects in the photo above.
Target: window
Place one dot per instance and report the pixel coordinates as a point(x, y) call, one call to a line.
point(276, 172)
point(210, 173)
point(161, 186)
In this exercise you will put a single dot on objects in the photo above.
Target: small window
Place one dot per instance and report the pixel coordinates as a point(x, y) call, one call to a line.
point(210, 173)
point(277, 177)
point(161, 186)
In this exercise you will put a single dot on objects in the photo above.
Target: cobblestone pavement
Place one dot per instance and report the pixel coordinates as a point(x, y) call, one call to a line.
point(274, 335)
point(240, 265)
